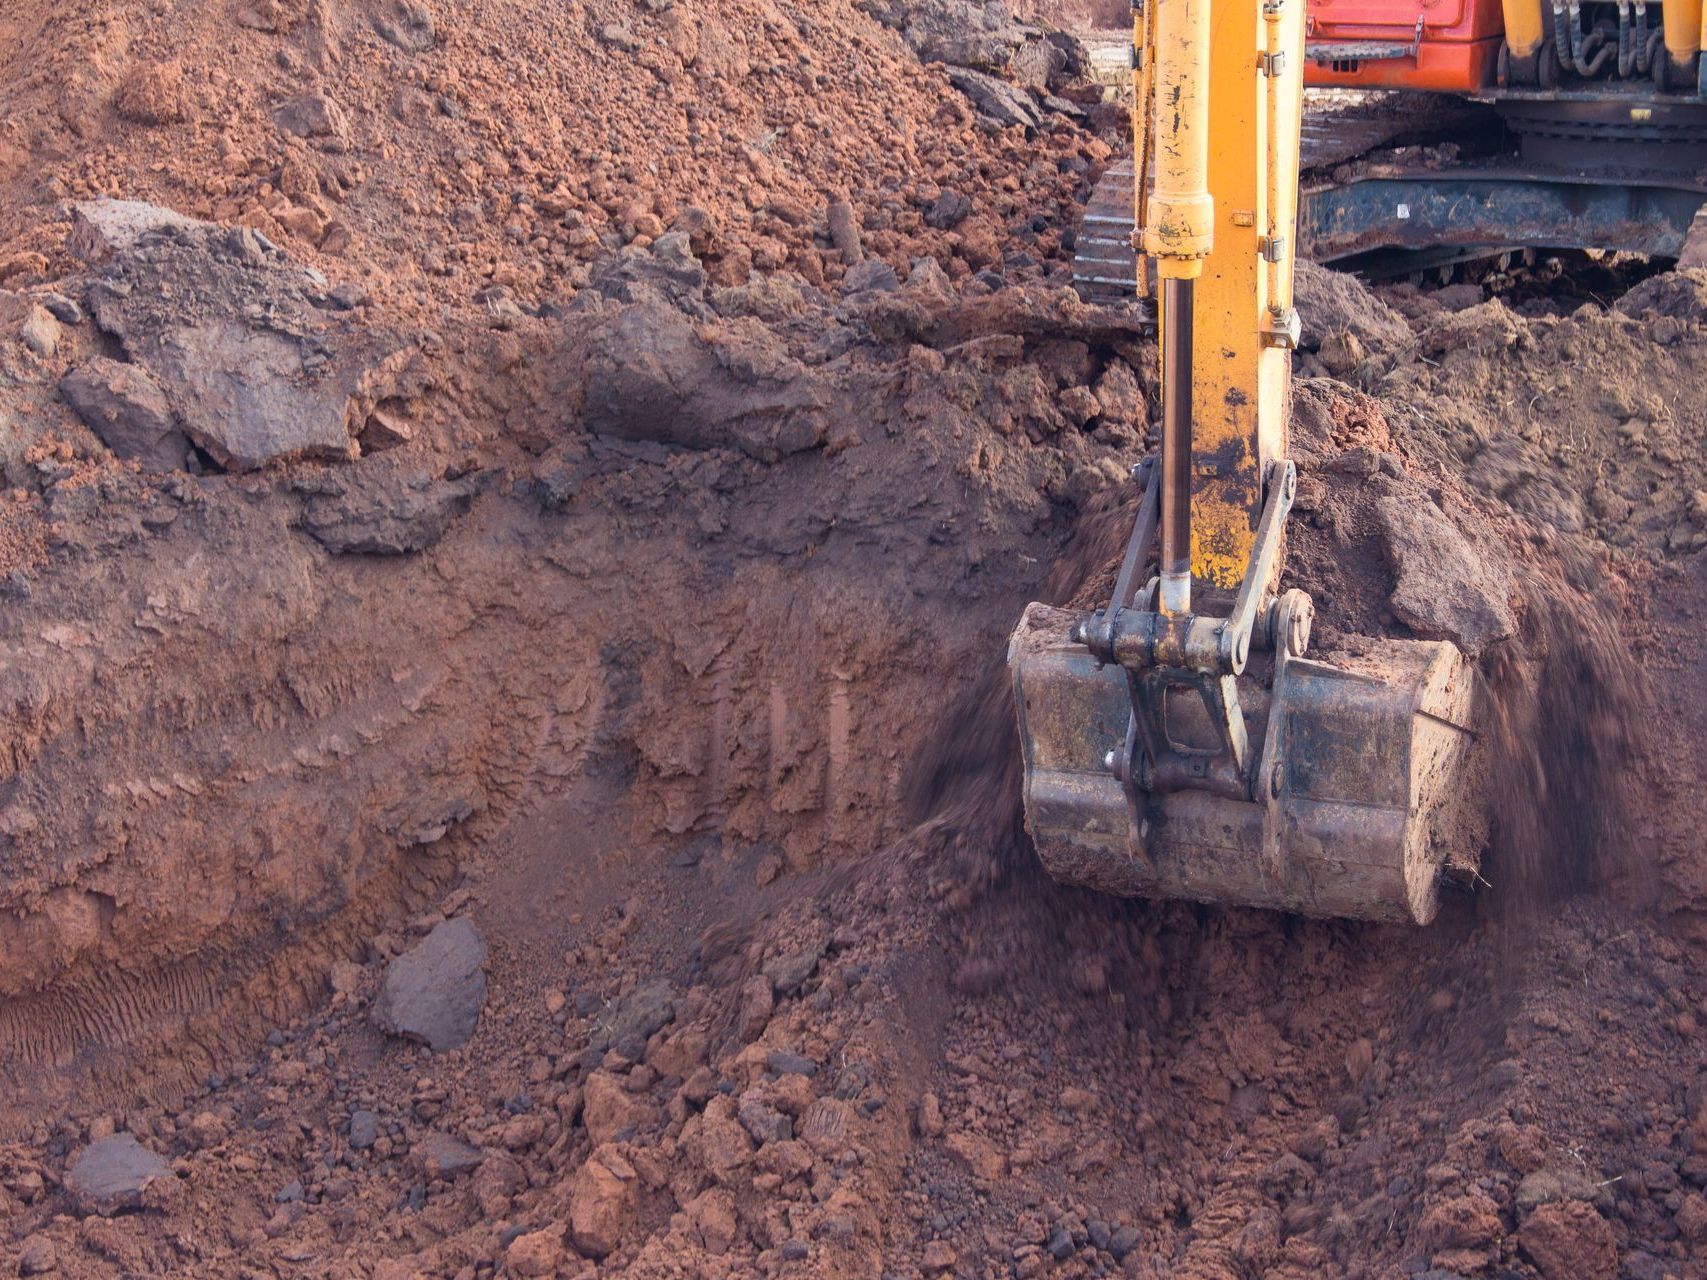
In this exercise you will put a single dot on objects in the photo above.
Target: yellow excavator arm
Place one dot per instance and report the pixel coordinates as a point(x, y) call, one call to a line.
point(1219, 226)
point(1178, 743)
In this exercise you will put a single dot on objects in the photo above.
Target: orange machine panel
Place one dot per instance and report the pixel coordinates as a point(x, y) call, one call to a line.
point(1450, 45)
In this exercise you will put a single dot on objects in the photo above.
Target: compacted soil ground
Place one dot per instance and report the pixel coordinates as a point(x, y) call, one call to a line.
point(512, 518)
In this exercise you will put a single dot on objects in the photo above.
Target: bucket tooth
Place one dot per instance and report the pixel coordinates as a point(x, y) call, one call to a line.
point(1365, 780)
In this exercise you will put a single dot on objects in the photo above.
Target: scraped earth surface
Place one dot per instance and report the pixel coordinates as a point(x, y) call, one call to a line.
point(507, 763)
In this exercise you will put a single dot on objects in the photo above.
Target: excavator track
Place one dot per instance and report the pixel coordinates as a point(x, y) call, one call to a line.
point(1398, 182)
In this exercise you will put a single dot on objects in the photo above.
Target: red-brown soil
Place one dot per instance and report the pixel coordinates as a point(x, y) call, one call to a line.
point(653, 621)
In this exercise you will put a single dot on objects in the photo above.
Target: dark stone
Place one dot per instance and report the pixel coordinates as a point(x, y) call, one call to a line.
point(434, 991)
point(251, 365)
point(347, 297)
point(652, 375)
point(62, 308)
point(949, 210)
point(363, 1130)
point(1037, 64)
point(790, 971)
point(996, 100)
point(668, 270)
point(113, 1174)
point(765, 1123)
point(1123, 1242)
point(843, 225)
point(631, 1021)
point(127, 409)
point(851, 1080)
point(1060, 1245)
point(37, 1256)
point(311, 115)
point(441, 1156)
point(1443, 588)
point(873, 275)
point(785, 1063)
point(382, 508)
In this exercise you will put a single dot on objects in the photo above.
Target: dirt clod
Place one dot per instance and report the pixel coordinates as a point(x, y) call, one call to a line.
point(1568, 1238)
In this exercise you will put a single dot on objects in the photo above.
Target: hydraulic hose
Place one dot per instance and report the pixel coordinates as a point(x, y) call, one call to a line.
point(1644, 42)
point(1586, 54)
point(1561, 41)
point(1626, 47)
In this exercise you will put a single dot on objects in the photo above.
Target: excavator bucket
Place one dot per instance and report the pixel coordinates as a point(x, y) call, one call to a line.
point(1178, 743)
point(1362, 783)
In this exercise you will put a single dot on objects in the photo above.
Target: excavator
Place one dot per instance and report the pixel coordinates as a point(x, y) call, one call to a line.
point(1470, 131)
point(1183, 741)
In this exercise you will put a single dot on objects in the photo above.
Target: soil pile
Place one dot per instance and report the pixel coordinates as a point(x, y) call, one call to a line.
point(444, 154)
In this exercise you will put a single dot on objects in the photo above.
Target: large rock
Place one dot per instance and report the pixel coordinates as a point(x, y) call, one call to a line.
point(251, 397)
point(409, 25)
point(961, 33)
point(102, 228)
point(363, 1130)
point(311, 115)
point(1557, 1182)
point(126, 408)
point(980, 1155)
point(115, 1174)
point(997, 100)
point(1463, 1222)
point(713, 1219)
point(753, 1013)
point(651, 374)
point(250, 360)
point(1443, 589)
point(37, 1256)
point(789, 970)
point(668, 270)
point(1038, 64)
point(434, 991)
point(717, 1142)
point(537, 1253)
point(41, 333)
point(381, 508)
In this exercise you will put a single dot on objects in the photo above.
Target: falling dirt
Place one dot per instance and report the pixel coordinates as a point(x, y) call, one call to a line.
point(507, 558)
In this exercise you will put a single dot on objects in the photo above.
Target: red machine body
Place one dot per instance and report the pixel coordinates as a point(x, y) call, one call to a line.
point(1444, 45)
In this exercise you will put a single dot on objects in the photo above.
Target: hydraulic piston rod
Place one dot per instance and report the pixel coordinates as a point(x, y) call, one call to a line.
point(1179, 235)
point(1175, 518)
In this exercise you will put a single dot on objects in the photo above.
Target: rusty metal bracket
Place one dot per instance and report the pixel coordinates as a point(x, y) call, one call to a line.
point(1169, 657)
